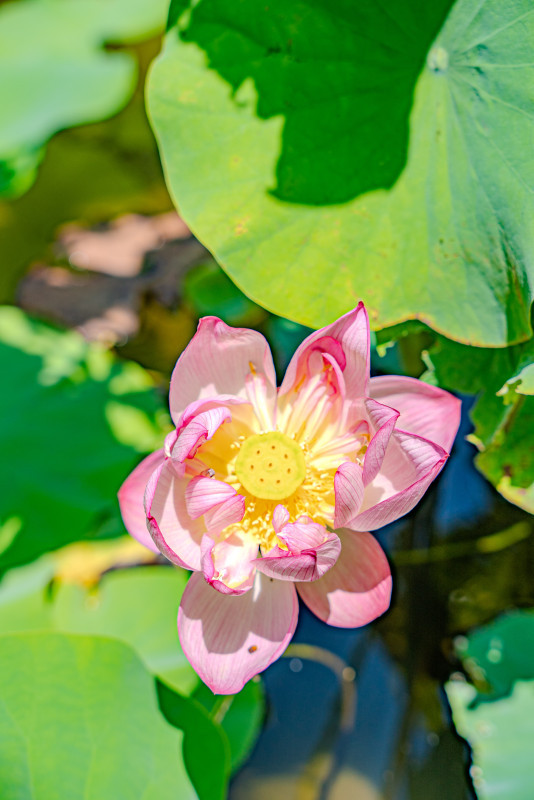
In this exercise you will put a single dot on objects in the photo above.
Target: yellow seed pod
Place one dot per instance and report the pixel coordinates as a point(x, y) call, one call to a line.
point(270, 466)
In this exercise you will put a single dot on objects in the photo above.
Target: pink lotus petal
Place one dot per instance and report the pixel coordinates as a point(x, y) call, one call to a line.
point(410, 465)
point(203, 493)
point(280, 517)
point(217, 361)
point(357, 589)
point(351, 332)
point(173, 531)
point(383, 420)
point(200, 429)
point(304, 534)
point(260, 395)
point(227, 565)
point(131, 499)
point(207, 404)
point(230, 639)
point(424, 410)
point(348, 487)
point(308, 565)
point(227, 513)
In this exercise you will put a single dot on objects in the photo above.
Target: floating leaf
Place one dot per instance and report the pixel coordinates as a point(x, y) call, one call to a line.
point(331, 151)
point(499, 657)
point(137, 606)
point(79, 719)
point(498, 654)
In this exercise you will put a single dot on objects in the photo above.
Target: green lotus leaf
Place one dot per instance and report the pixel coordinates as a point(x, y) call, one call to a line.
point(328, 151)
point(497, 720)
point(79, 719)
point(503, 413)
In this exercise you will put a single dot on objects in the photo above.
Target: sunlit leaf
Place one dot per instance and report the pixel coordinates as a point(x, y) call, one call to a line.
point(79, 719)
point(138, 606)
point(500, 734)
point(331, 151)
point(499, 658)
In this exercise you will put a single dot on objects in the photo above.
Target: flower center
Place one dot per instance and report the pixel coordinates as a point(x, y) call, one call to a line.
point(270, 466)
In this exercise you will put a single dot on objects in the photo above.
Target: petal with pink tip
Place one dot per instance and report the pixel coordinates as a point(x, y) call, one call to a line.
point(131, 496)
point(410, 465)
point(203, 493)
point(228, 565)
point(280, 517)
point(227, 513)
point(351, 332)
point(382, 419)
point(217, 361)
point(173, 531)
point(198, 430)
point(303, 534)
point(348, 488)
point(229, 639)
point(424, 410)
point(357, 589)
point(310, 564)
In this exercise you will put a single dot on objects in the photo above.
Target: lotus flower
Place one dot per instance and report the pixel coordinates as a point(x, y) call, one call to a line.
point(265, 493)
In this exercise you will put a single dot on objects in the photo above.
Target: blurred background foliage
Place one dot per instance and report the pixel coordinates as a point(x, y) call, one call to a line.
point(102, 284)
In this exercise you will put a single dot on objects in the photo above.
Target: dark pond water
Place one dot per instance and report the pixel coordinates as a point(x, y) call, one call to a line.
point(361, 713)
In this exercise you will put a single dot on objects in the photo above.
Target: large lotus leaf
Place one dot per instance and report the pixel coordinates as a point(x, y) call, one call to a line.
point(504, 412)
point(327, 151)
point(137, 606)
point(57, 72)
point(79, 720)
point(63, 454)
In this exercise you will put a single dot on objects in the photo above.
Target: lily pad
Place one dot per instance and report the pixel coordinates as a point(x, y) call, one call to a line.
point(498, 719)
point(328, 151)
point(79, 719)
point(498, 654)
